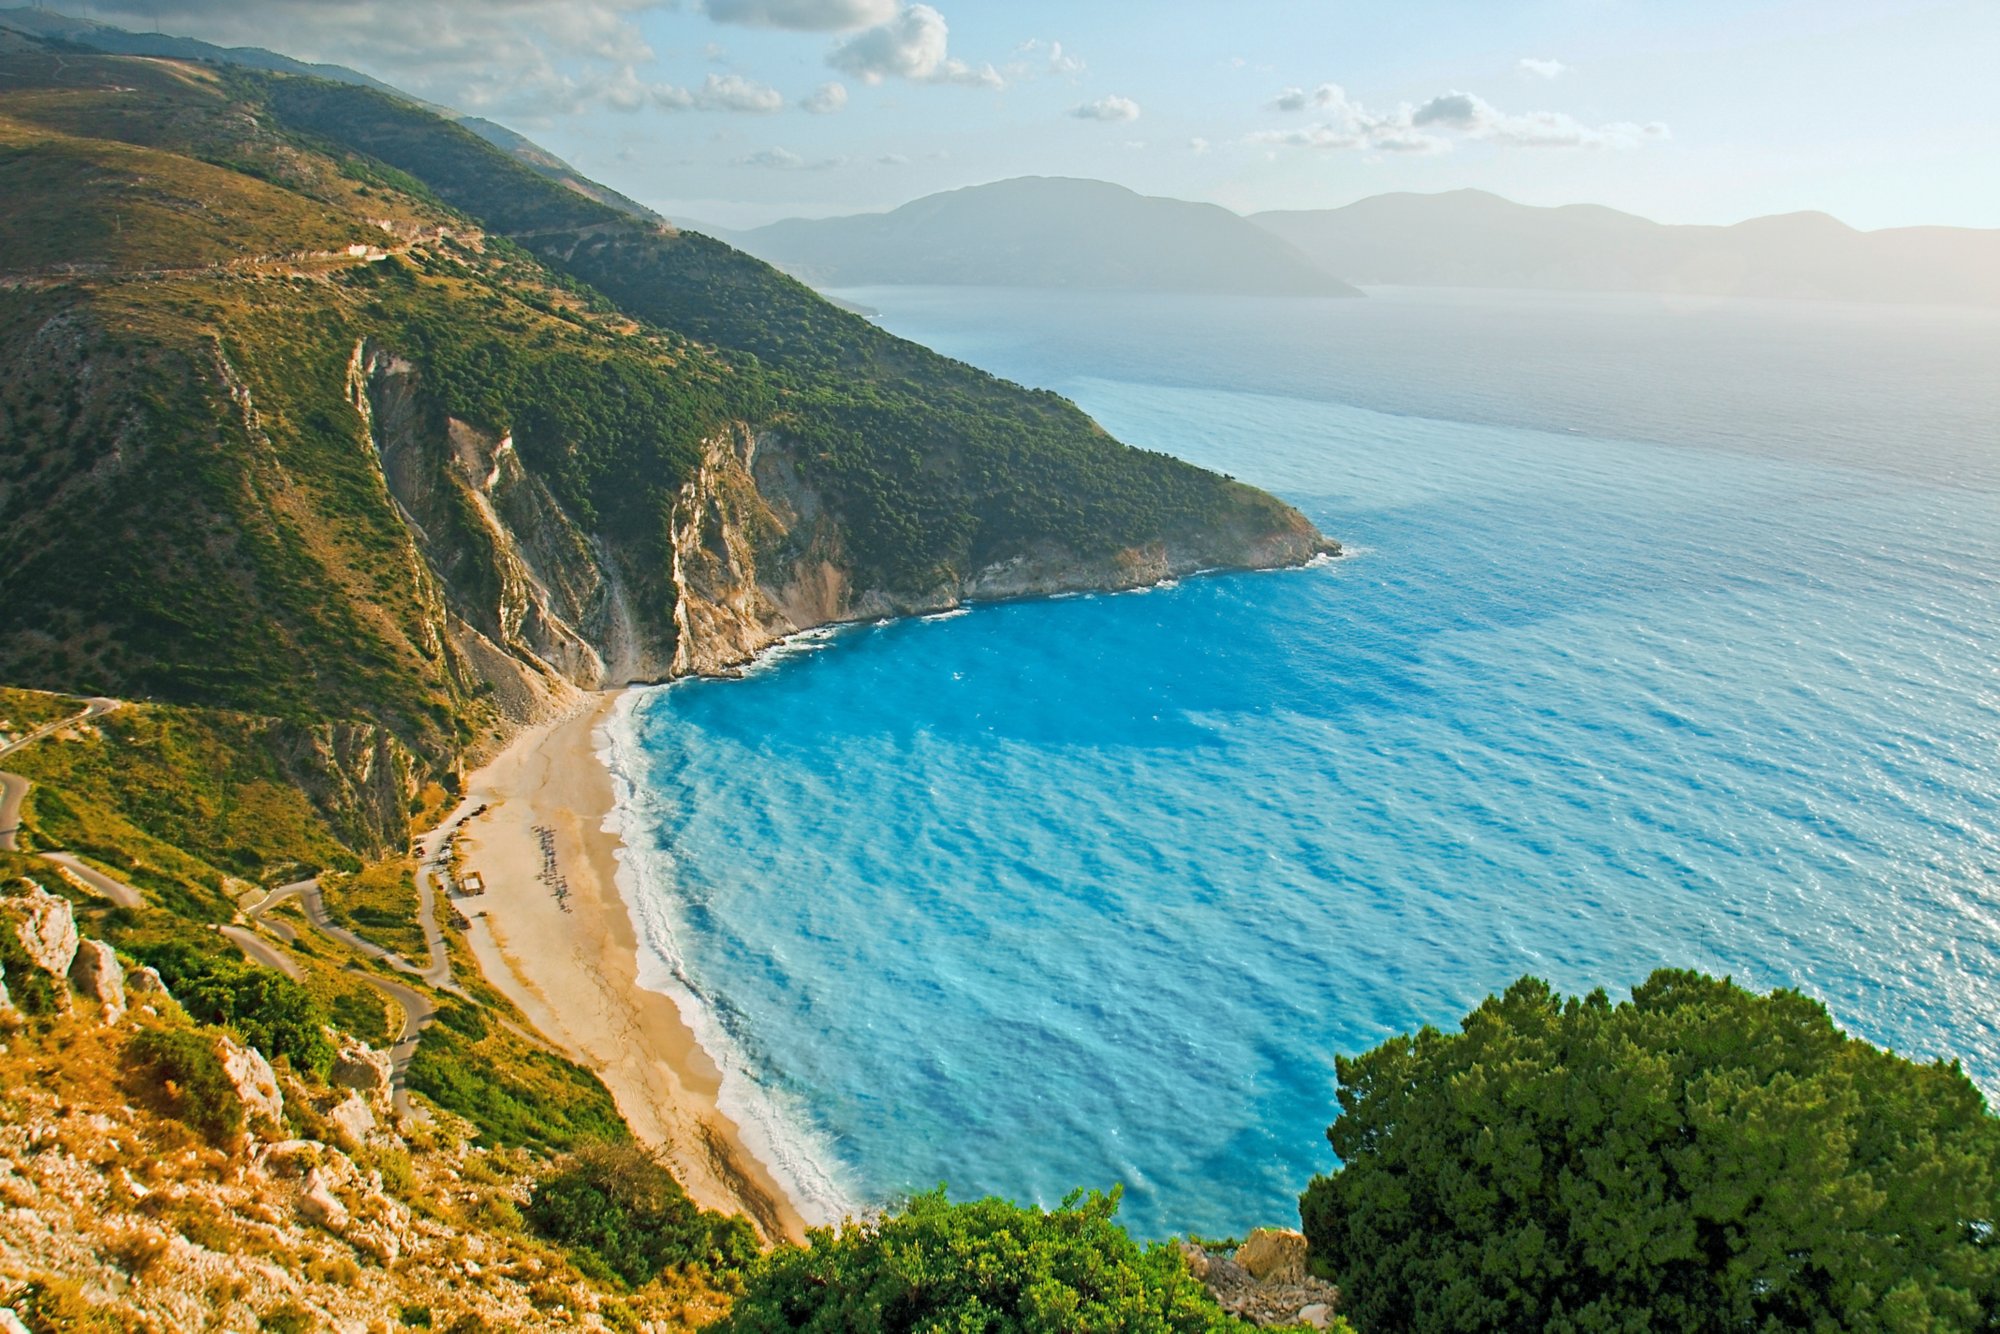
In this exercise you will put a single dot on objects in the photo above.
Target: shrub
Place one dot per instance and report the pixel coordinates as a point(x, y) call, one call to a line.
point(1698, 1158)
point(989, 1265)
point(183, 1075)
point(619, 1211)
point(264, 1007)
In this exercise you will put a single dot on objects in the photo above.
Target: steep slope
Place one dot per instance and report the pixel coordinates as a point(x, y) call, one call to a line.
point(1468, 238)
point(1045, 232)
point(293, 422)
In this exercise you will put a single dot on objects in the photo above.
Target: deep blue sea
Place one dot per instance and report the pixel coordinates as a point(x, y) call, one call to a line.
point(1670, 635)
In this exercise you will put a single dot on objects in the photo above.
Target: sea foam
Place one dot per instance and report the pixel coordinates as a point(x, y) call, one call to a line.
point(772, 1126)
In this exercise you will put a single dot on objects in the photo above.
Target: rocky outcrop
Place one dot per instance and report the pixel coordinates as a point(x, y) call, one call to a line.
point(1274, 1255)
point(1265, 1280)
point(45, 927)
point(252, 1078)
point(98, 976)
point(354, 1118)
point(360, 1067)
point(320, 1205)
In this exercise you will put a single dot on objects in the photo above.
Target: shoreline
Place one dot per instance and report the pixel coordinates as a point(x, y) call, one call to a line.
point(575, 974)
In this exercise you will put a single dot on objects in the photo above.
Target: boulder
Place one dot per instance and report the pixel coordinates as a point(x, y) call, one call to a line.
point(97, 973)
point(1318, 1315)
point(1197, 1259)
point(46, 927)
point(1274, 1255)
point(353, 1119)
point(358, 1066)
point(11, 1323)
point(290, 1157)
point(255, 1082)
point(145, 981)
point(320, 1205)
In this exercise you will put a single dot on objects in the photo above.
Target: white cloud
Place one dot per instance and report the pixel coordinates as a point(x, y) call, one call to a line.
point(912, 45)
point(1054, 58)
point(1430, 128)
point(1541, 69)
point(784, 159)
point(1113, 108)
point(1298, 99)
point(893, 160)
point(825, 99)
point(803, 15)
point(715, 53)
point(733, 92)
point(1479, 119)
point(1198, 145)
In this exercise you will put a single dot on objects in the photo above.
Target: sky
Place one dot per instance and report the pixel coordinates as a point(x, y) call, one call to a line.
point(739, 112)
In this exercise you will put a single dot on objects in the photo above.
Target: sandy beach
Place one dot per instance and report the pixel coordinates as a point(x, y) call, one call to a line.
point(575, 973)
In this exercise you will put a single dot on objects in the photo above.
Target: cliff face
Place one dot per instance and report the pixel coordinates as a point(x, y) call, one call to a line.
point(537, 609)
point(533, 608)
point(356, 774)
point(759, 555)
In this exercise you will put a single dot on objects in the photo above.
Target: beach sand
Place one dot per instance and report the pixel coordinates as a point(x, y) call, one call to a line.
point(575, 974)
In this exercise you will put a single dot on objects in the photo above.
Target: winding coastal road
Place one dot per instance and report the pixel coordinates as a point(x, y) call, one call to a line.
point(418, 1009)
point(14, 792)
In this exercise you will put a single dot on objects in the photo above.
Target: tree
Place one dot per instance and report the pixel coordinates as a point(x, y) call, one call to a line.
point(990, 1266)
point(1698, 1158)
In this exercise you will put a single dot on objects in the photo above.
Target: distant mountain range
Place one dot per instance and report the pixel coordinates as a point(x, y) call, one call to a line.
point(1468, 238)
point(1040, 231)
point(1045, 232)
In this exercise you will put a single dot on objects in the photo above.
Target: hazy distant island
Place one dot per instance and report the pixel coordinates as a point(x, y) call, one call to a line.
point(1041, 231)
point(1058, 233)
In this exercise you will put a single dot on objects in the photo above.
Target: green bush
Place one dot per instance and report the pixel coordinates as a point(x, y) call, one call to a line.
point(618, 1211)
point(989, 1265)
point(264, 1007)
point(1698, 1158)
point(179, 1070)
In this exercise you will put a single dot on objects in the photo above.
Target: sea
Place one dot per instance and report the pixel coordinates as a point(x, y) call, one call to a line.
point(1668, 635)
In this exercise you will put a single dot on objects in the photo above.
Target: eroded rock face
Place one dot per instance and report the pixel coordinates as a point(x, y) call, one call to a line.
point(46, 927)
point(358, 1066)
point(1274, 1255)
point(320, 1205)
point(98, 975)
point(254, 1081)
point(353, 1118)
point(145, 981)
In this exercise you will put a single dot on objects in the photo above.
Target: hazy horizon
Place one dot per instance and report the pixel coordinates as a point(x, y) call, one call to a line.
point(744, 112)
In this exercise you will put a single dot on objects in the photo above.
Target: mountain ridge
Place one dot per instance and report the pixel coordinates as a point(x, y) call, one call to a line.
point(1473, 238)
point(1045, 231)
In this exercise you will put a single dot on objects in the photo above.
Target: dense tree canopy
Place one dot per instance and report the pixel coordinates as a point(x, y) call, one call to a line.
point(989, 1265)
point(1699, 1158)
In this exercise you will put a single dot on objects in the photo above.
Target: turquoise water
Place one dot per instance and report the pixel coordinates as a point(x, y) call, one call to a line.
point(1667, 638)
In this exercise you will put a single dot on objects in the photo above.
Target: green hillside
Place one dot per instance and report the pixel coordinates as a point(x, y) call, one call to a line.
point(190, 506)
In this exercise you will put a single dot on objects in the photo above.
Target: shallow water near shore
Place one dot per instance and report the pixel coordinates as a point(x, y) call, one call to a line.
point(1666, 639)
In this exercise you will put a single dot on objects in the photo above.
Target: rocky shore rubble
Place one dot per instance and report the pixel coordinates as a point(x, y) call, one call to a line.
point(1265, 1281)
